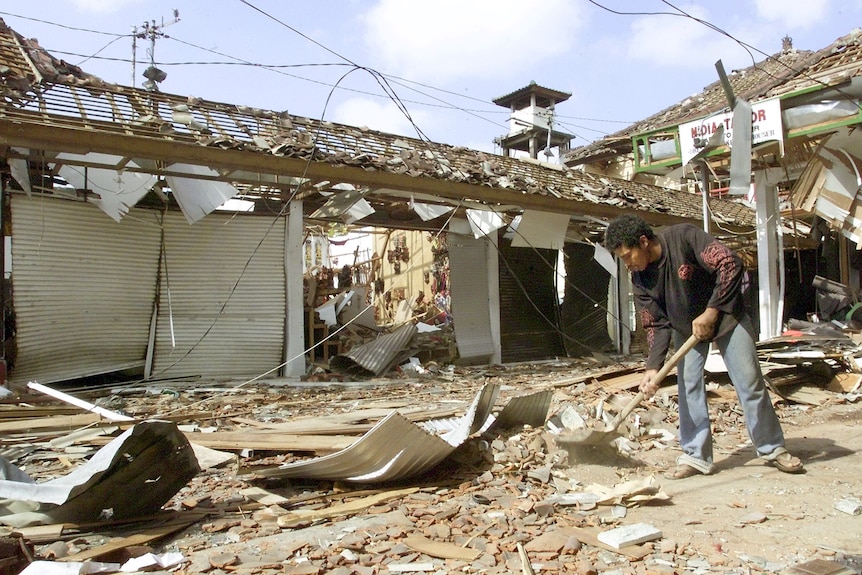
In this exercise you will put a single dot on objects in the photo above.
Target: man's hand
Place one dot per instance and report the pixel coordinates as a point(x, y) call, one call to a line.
point(703, 326)
point(648, 385)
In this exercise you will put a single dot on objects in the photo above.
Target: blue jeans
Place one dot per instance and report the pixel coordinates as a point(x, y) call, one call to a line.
point(740, 356)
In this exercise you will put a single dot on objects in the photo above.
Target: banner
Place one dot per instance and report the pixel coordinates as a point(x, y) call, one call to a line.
point(765, 125)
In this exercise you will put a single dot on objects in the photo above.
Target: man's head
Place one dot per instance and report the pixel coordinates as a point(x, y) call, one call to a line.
point(631, 239)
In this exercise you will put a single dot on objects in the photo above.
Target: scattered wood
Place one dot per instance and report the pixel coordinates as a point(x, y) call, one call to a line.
point(302, 516)
point(441, 549)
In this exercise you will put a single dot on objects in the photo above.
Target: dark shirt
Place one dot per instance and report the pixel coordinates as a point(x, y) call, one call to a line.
point(695, 271)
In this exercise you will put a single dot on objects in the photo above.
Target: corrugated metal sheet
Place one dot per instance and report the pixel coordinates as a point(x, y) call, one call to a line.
point(468, 274)
point(397, 448)
point(83, 288)
point(525, 410)
point(223, 292)
point(376, 356)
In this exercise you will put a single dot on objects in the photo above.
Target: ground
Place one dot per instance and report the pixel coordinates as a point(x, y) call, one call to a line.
point(747, 509)
point(496, 494)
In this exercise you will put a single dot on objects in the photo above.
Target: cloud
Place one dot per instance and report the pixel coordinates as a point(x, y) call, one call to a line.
point(382, 116)
point(443, 40)
point(681, 43)
point(794, 14)
point(104, 6)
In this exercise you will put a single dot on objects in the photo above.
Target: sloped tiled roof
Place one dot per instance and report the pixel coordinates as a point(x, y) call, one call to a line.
point(784, 73)
point(68, 110)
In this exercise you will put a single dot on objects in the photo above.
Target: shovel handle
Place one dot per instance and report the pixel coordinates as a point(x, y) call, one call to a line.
point(674, 359)
point(662, 373)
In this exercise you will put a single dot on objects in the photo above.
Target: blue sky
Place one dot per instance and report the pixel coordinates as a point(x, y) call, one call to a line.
point(441, 62)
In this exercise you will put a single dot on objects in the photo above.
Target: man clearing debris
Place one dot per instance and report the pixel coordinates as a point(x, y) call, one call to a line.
point(687, 282)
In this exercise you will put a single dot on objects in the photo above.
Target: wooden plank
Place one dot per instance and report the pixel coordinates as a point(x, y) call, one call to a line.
point(441, 549)
point(142, 538)
point(622, 382)
point(39, 534)
point(302, 516)
point(354, 422)
point(64, 422)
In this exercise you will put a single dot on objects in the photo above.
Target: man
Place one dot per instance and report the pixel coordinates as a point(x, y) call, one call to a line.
point(687, 282)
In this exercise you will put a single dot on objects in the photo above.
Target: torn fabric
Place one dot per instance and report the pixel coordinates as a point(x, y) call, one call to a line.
point(483, 223)
point(429, 211)
point(20, 169)
point(541, 230)
point(740, 151)
point(198, 197)
point(114, 191)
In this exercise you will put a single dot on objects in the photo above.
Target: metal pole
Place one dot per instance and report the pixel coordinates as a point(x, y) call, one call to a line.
point(134, 51)
point(704, 187)
point(4, 285)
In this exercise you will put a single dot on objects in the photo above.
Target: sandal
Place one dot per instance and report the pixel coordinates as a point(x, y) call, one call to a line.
point(787, 463)
point(682, 471)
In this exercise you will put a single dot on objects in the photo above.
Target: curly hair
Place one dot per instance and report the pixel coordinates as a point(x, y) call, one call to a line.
point(626, 231)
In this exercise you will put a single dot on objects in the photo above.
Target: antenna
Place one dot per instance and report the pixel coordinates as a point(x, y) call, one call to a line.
point(152, 31)
point(548, 153)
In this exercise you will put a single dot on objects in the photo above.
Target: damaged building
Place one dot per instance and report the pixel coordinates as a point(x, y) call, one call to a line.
point(801, 179)
point(191, 243)
point(151, 278)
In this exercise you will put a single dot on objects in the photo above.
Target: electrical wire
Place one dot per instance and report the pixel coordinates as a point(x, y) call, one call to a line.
point(679, 12)
point(553, 324)
point(385, 83)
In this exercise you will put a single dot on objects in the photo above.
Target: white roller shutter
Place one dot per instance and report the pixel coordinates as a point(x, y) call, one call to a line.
point(222, 293)
point(83, 288)
point(471, 307)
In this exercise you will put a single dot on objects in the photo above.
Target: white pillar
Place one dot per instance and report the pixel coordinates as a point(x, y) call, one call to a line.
point(770, 257)
point(294, 335)
point(494, 298)
point(624, 307)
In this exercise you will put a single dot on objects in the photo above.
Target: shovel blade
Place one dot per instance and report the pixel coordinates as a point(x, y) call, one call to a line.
point(587, 436)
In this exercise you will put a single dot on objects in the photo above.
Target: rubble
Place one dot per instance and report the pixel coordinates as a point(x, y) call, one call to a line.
point(503, 500)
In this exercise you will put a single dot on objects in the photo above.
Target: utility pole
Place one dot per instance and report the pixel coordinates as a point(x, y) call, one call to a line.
point(150, 31)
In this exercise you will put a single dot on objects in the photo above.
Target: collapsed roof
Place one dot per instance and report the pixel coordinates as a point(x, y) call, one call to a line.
point(54, 114)
point(792, 76)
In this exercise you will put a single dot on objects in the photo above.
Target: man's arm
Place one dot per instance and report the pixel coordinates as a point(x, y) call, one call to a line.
point(703, 326)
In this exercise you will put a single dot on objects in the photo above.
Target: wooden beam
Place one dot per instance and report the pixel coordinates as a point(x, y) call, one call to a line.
point(57, 138)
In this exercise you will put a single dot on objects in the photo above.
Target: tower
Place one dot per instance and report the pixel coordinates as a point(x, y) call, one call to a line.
point(531, 123)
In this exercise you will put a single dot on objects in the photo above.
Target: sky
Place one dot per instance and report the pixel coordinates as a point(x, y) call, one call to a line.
point(431, 68)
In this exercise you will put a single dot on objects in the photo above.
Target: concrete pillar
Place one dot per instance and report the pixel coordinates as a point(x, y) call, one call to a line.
point(494, 298)
point(294, 336)
point(770, 257)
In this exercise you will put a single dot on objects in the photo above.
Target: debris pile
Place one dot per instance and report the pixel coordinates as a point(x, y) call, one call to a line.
point(292, 479)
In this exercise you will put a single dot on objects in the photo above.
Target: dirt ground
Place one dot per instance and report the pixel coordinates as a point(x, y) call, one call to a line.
point(750, 510)
point(492, 494)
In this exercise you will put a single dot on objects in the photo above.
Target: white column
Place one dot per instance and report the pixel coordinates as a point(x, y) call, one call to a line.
point(494, 297)
point(624, 307)
point(294, 336)
point(770, 257)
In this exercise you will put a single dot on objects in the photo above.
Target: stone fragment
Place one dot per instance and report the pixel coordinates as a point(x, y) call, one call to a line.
point(629, 535)
point(223, 560)
point(849, 505)
point(753, 518)
point(546, 542)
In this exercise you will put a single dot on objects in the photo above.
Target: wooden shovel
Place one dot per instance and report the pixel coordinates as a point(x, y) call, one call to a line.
point(598, 436)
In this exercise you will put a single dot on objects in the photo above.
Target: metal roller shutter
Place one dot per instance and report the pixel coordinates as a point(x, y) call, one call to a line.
point(527, 293)
point(468, 273)
point(83, 288)
point(222, 297)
